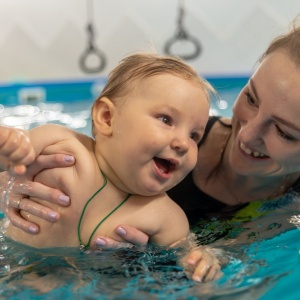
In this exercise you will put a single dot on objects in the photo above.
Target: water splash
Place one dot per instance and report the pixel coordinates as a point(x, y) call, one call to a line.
point(295, 220)
point(4, 262)
point(7, 183)
point(5, 192)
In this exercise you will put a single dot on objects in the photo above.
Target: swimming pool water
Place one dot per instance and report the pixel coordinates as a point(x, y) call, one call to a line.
point(263, 252)
point(263, 269)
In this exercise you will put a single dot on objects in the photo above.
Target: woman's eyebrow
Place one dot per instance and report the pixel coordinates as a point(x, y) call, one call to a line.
point(278, 119)
point(286, 123)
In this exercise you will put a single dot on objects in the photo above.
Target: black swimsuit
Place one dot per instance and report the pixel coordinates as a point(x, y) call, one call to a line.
point(197, 204)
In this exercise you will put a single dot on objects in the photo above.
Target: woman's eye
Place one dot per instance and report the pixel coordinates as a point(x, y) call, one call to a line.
point(250, 100)
point(165, 120)
point(283, 135)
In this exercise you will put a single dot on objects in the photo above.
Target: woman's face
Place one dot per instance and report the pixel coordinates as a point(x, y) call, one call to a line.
point(266, 120)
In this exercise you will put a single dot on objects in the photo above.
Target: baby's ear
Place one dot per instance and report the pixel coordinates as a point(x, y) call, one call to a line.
point(103, 111)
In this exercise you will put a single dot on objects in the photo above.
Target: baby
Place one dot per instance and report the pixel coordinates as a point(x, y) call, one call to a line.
point(147, 124)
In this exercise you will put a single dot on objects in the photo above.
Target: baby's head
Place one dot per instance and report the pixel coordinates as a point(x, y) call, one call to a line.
point(148, 121)
point(133, 68)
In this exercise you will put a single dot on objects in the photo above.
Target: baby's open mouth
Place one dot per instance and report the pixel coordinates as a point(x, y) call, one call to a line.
point(164, 165)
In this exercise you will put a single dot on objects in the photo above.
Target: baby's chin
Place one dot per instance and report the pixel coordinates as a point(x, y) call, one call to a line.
point(151, 191)
point(155, 192)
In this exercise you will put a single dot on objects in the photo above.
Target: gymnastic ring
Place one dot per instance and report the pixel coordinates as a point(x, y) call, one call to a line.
point(84, 57)
point(194, 41)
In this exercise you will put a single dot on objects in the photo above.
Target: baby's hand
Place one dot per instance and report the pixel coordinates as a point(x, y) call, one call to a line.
point(202, 264)
point(16, 151)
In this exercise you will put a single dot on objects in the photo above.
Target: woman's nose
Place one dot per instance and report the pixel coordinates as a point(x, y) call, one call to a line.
point(251, 131)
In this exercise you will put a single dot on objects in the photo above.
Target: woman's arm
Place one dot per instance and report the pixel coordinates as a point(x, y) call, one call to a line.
point(25, 187)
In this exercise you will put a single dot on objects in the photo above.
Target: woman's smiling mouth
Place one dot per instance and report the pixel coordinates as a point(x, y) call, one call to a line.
point(248, 151)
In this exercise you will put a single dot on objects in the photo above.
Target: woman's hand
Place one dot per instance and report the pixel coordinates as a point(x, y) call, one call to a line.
point(202, 264)
point(25, 187)
point(133, 236)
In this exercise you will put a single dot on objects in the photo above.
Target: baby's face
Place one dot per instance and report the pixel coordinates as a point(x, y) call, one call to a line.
point(155, 134)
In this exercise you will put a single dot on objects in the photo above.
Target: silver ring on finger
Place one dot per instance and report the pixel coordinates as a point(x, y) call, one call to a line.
point(18, 204)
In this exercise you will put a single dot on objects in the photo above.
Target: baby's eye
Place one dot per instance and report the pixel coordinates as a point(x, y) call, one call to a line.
point(195, 136)
point(165, 119)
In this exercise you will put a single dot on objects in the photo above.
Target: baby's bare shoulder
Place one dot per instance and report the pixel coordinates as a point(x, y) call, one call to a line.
point(53, 138)
point(55, 131)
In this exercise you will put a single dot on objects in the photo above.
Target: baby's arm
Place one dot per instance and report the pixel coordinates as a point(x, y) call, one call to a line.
point(200, 263)
point(171, 223)
point(16, 150)
point(50, 134)
point(19, 148)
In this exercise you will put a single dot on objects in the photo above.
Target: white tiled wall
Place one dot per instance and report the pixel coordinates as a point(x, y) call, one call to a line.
point(43, 39)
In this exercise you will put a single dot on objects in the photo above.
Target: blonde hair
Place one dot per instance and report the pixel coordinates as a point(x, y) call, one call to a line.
point(142, 65)
point(289, 41)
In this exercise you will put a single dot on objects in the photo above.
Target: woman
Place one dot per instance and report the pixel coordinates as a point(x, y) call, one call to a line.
point(253, 156)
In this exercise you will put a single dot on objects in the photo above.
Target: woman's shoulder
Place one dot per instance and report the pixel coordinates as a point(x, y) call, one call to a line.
point(210, 151)
point(216, 128)
point(225, 121)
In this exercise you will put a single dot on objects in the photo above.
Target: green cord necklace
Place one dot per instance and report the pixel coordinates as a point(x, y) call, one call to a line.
point(85, 247)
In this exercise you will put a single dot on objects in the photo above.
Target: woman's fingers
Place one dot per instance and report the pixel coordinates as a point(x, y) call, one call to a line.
point(48, 162)
point(132, 236)
point(22, 206)
point(36, 209)
point(18, 207)
point(18, 221)
point(18, 203)
point(38, 190)
point(24, 186)
point(105, 243)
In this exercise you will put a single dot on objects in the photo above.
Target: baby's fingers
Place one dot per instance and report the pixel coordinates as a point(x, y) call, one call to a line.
point(207, 270)
point(201, 270)
point(24, 152)
point(213, 273)
point(202, 265)
point(17, 149)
